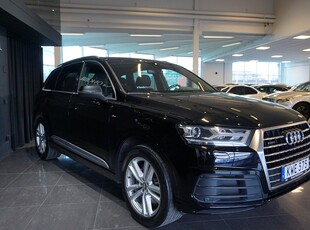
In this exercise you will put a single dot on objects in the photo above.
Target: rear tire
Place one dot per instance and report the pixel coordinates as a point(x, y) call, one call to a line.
point(44, 150)
point(147, 188)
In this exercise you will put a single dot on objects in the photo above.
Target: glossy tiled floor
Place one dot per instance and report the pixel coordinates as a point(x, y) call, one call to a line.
point(63, 194)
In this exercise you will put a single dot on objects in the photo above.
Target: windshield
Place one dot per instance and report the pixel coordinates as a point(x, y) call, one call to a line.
point(158, 77)
point(303, 87)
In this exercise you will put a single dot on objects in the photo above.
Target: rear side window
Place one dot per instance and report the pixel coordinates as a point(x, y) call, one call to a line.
point(249, 91)
point(237, 90)
point(68, 78)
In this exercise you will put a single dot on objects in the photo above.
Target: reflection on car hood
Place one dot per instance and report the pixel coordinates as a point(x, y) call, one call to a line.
point(215, 109)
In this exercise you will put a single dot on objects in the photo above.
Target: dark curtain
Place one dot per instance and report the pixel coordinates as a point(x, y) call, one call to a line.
point(26, 79)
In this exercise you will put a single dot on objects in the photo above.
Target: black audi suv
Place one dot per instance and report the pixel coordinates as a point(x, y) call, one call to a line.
point(174, 143)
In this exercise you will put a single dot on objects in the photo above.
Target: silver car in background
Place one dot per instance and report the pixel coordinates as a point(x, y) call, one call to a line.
point(298, 99)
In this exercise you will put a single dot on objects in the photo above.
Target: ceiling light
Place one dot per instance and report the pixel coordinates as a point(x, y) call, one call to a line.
point(72, 34)
point(263, 48)
point(150, 43)
point(232, 44)
point(170, 48)
point(220, 60)
point(218, 37)
point(146, 35)
point(193, 52)
point(277, 56)
point(306, 50)
point(302, 37)
point(237, 55)
point(286, 62)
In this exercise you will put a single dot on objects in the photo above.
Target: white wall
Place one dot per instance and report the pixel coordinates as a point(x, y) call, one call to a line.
point(217, 73)
point(292, 17)
point(294, 73)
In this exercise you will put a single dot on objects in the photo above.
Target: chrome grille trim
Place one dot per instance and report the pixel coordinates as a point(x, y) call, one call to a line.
point(274, 146)
point(284, 151)
point(288, 157)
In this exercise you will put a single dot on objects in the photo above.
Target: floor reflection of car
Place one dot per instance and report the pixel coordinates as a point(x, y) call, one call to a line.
point(298, 99)
point(243, 90)
point(272, 88)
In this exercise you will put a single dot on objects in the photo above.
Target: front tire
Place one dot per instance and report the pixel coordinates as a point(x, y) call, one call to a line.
point(147, 188)
point(304, 109)
point(44, 151)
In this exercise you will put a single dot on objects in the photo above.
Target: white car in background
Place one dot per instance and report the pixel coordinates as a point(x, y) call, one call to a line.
point(298, 99)
point(242, 90)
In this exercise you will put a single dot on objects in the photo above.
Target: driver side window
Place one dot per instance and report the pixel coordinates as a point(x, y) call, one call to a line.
point(94, 74)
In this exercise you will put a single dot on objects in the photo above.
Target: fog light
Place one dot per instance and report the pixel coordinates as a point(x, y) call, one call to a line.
point(233, 158)
point(224, 157)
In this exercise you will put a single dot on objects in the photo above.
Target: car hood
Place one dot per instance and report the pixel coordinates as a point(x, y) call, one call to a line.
point(218, 109)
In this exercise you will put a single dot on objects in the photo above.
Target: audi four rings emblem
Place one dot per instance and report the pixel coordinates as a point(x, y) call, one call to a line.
point(293, 136)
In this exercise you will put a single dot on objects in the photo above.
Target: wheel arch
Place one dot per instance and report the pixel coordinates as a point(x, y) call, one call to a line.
point(301, 102)
point(133, 141)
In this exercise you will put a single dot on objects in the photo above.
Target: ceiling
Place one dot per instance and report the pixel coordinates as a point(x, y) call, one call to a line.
point(210, 49)
point(162, 46)
point(109, 24)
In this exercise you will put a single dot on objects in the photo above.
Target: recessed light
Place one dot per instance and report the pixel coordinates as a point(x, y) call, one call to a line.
point(150, 43)
point(72, 34)
point(277, 56)
point(220, 60)
point(263, 48)
point(306, 50)
point(237, 55)
point(169, 48)
point(232, 44)
point(286, 62)
point(218, 37)
point(146, 35)
point(302, 37)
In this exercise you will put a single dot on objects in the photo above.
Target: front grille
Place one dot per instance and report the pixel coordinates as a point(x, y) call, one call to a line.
point(278, 153)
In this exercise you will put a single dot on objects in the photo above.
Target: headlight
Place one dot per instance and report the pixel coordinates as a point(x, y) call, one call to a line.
point(219, 136)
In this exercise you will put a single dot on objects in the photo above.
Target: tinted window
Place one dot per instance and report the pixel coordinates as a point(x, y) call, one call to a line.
point(94, 74)
point(248, 90)
point(237, 90)
point(68, 78)
point(51, 80)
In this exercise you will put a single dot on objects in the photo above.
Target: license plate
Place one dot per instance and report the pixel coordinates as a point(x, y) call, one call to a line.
point(295, 169)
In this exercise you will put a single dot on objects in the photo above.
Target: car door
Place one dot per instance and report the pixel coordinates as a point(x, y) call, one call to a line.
point(90, 111)
point(58, 99)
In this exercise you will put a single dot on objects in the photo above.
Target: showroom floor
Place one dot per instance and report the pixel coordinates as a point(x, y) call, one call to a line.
point(63, 194)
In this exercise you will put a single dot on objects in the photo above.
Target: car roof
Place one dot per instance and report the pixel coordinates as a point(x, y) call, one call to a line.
point(109, 59)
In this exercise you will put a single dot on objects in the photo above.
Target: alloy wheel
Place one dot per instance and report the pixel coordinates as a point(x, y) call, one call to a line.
point(142, 187)
point(41, 138)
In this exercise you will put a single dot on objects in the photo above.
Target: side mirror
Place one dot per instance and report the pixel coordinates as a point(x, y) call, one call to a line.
point(91, 89)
